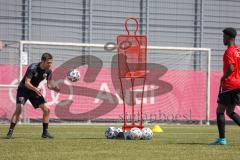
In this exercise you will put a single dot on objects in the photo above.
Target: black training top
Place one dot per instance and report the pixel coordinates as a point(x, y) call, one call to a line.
point(36, 74)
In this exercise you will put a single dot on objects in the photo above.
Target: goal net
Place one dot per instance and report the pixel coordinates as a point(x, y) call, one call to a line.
point(177, 87)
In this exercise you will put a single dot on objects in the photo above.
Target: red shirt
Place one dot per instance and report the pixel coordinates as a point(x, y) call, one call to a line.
point(232, 56)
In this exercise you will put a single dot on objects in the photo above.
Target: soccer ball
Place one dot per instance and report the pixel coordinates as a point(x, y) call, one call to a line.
point(111, 133)
point(135, 133)
point(73, 75)
point(147, 134)
point(119, 130)
point(120, 133)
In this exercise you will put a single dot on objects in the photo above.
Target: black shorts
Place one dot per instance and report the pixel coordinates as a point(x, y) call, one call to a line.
point(24, 94)
point(229, 97)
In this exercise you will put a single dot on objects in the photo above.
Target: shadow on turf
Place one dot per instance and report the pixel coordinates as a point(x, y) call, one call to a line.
point(85, 138)
point(191, 143)
point(33, 138)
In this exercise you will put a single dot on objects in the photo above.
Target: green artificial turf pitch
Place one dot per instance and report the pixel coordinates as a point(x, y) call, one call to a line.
point(87, 142)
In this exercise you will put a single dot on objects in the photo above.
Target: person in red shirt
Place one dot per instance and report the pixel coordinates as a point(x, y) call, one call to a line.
point(229, 92)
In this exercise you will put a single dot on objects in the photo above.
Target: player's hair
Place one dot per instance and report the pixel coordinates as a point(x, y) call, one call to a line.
point(46, 56)
point(230, 32)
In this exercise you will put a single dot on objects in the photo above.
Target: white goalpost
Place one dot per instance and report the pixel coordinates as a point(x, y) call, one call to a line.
point(166, 56)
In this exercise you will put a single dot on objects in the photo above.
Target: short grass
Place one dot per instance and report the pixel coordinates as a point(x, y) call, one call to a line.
point(87, 142)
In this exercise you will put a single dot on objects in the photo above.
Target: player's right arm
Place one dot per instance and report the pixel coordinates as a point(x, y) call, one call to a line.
point(229, 62)
point(228, 72)
point(29, 74)
point(31, 87)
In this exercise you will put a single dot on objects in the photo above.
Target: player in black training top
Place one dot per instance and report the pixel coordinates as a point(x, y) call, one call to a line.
point(28, 90)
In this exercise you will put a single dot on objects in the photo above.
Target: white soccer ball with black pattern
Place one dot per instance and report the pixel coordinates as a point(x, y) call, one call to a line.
point(135, 133)
point(147, 134)
point(119, 130)
point(111, 133)
point(73, 75)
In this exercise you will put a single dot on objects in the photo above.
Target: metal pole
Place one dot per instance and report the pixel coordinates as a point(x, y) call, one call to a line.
point(23, 14)
point(201, 23)
point(20, 61)
point(208, 89)
point(209, 63)
point(90, 36)
point(90, 24)
point(195, 56)
point(102, 45)
point(29, 20)
point(20, 72)
point(147, 17)
point(195, 27)
point(29, 28)
point(141, 17)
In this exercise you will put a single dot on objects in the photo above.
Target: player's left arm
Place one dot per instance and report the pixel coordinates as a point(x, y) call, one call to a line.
point(51, 83)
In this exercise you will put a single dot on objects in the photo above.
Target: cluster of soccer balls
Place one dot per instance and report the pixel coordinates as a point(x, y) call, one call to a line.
point(73, 75)
point(133, 134)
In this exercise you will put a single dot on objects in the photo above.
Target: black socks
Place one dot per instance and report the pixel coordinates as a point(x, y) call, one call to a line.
point(221, 124)
point(12, 126)
point(45, 127)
